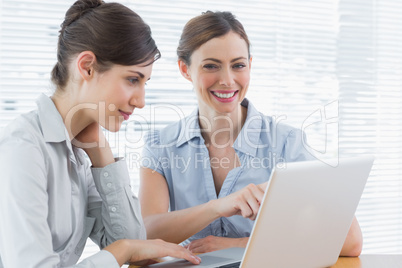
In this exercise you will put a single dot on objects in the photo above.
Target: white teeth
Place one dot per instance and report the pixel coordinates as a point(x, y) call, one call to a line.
point(224, 96)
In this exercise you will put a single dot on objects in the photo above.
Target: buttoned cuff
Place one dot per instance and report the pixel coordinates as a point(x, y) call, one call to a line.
point(102, 259)
point(112, 177)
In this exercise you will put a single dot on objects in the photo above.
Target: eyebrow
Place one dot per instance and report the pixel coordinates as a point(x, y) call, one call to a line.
point(139, 73)
point(216, 60)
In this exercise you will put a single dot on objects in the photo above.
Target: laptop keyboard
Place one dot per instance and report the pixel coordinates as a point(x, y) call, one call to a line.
point(231, 265)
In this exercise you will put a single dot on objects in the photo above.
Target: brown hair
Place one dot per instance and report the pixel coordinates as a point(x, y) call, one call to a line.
point(113, 32)
point(203, 28)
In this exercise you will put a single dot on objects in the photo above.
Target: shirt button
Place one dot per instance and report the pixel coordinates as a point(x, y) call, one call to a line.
point(113, 209)
point(106, 174)
point(109, 185)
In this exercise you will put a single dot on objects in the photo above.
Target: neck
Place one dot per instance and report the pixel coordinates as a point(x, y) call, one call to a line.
point(221, 129)
point(72, 112)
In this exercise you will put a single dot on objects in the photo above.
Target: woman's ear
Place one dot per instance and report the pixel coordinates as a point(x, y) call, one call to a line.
point(249, 62)
point(184, 70)
point(85, 64)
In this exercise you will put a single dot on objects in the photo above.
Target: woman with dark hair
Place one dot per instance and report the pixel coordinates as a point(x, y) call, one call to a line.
point(223, 153)
point(51, 198)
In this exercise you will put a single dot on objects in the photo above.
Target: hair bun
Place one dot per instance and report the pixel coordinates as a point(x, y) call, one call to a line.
point(78, 9)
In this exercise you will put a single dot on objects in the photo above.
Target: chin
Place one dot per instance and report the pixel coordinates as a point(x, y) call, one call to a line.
point(113, 128)
point(228, 109)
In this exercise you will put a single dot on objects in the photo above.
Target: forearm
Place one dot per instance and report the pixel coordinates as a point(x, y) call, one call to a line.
point(241, 242)
point(213, 243)
point(352, 246)
point(235, 242)
point(177, 226)
point(139, 252)
point(118, 215)
point(121, 250)
point(100, 156)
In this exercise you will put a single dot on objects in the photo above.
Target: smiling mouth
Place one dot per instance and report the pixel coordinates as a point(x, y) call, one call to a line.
point(224, 95)
point(126, 116)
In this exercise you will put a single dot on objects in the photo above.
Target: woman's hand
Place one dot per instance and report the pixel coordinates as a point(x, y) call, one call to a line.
point(245, 202)
point(141, 252)
point(89, 137)
point(212, 243)
point(94, 143)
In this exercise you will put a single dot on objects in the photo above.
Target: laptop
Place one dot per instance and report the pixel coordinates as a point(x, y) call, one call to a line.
point(304, 217)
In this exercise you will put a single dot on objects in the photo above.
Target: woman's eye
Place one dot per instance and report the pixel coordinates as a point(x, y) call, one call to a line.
point(133, 80)
point(210, 66)
point(239, 65)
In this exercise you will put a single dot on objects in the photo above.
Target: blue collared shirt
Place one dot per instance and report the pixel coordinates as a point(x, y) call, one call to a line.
point(51, 201)
point(178, 153)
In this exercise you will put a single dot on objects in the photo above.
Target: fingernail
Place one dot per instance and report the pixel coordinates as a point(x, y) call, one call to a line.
point(198, 259)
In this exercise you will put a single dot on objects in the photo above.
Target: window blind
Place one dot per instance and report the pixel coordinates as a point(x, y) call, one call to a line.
point(369, 71)
point(332, 68)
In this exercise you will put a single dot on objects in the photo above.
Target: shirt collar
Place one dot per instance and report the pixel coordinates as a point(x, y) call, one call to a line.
point(51, 121)
point(190, 128)
point(53, 127)
point(249, 137)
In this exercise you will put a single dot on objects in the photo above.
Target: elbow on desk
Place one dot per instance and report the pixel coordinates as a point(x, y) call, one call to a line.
point(354, 249)
point(354, 241)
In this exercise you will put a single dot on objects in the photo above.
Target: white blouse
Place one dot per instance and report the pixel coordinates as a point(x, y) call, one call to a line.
point(51, 201)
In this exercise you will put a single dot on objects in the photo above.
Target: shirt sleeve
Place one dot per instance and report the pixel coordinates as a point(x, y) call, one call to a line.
point(25, 235)
point(150, 157)
point(118, 214)
point(101, 259)
point(26, 239)
point(295, 148)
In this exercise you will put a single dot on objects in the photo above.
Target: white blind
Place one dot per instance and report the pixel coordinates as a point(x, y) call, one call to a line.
point(333, 68)
point(370, 77)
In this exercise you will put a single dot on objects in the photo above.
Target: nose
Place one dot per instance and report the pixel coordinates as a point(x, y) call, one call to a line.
point(227, 77)
point(138, 98)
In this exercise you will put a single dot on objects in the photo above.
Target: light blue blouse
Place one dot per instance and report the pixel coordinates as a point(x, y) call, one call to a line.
point(179, 154)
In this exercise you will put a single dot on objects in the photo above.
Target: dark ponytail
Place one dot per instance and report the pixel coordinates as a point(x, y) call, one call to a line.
point(113, 32)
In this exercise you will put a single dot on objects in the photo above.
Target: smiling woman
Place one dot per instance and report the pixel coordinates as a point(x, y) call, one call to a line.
point(220, 73)
point(214, 56)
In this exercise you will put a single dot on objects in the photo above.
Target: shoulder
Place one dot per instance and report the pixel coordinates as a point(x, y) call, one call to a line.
point(168, 135)
point(22, 142)
point(269, 125)
point(25, 128)
point(22, 145)
point(278, 134)
point(278, 126)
